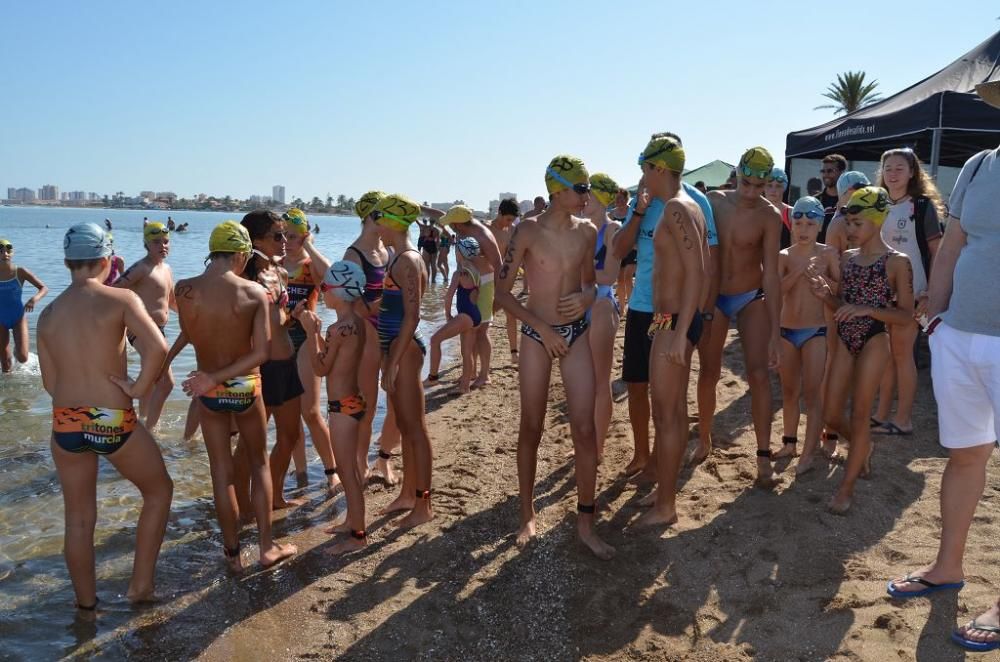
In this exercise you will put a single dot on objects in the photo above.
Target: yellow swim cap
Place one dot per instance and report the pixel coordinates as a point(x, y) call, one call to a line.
point(229, 237)
point(154, 229)
point(665, 152)
point(604, 188)
point(870, 203)
point(756, 162)
point(457, 214)
point(397, 212)
point(295, 219)
point(366, 204)
point(565, 172)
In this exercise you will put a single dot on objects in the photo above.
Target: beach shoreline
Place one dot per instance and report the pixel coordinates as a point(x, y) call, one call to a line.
point(744, 575)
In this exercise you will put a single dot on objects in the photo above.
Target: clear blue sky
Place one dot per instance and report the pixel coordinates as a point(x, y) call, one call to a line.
point(438, 100)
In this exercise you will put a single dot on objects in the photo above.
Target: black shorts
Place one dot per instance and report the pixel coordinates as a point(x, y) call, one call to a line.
point(280, 382)
point(638, 346)
point(631, 258)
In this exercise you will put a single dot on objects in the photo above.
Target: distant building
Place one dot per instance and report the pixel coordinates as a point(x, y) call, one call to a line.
point(64, 196)
point(508, 196)
point(11, 193)
point(148, 195)
point(77, 196)
point(278, 194)
point(24, 195)
point(48, 192)
point(494, 207)
point(169, 196)
point(525, 206)
point(93, 196)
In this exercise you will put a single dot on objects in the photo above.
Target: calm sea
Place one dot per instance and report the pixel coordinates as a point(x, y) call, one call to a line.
point(36, 618)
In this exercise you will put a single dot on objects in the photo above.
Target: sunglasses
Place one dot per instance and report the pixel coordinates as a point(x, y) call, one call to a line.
point(812, 215)
point(279, 236)
point(582, 189)
point(747, 171)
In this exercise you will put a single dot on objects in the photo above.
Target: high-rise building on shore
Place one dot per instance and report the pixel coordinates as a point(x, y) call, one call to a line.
point(21, 194)
point(11, 193)
point(48, 192)
point(278, 194)
point(508, 196)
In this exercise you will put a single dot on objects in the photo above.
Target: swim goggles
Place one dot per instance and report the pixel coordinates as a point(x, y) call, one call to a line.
point(747, 171)
point(582, 189)
point(402, 219)
point(857, 209)
point(155, 232)
point(812, 215)
point(6, 246)
point(667, 146)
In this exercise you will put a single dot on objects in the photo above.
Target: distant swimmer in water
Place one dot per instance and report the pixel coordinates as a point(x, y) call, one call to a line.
point(227, 319)
point(107, 224)
point(170, 224)
point(12, 310)
point(152, 279)
point(84, 371)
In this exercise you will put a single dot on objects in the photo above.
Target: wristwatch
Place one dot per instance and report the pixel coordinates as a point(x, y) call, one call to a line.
point(708, 317)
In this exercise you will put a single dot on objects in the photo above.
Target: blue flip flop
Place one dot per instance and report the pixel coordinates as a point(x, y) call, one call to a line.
point(977, 646)
point(930, 587)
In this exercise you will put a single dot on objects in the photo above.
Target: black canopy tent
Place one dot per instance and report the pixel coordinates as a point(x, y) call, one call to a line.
point(941, 118)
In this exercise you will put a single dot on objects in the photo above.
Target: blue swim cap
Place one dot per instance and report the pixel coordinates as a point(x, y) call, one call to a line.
point(851, 180)
point(810, 208)
point(778, 175)
point(87, 241)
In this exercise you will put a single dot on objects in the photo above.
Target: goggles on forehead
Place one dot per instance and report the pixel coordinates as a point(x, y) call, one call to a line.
point(582, 189)
point(745, 170)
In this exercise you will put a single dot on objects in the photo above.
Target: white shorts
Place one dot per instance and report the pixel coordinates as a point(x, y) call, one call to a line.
point(965, 368)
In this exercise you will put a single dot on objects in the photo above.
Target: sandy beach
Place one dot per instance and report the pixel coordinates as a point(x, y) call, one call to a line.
point(744, 575)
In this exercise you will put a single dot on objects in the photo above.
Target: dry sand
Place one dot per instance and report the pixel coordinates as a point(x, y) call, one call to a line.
point(744, 575)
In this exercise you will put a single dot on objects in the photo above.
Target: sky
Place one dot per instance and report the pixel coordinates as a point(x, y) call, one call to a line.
point(438, 100)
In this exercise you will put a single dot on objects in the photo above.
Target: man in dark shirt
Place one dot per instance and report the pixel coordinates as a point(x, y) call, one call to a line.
point(831, 169)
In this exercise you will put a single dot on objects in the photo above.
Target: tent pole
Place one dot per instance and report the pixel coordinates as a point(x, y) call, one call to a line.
point(935, 152)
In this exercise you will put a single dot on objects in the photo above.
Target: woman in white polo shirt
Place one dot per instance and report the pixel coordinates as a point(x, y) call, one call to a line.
point(964, 328)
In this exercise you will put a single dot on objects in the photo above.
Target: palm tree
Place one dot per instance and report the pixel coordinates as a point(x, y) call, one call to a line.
point(850, 93)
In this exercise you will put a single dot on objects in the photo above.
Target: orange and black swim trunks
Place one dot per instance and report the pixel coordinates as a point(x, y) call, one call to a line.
point(97, 429)
point(353, 406)
point(234, 395)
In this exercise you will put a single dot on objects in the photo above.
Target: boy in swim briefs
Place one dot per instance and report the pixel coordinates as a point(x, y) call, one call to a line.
point(337, 358)
point(558, 250)
point(13, 320)
point(750, 293)
point(876, 290)
point(84, 370)
point(226, 318)
point(803, 328)
point(152, 279)
point(680, 286)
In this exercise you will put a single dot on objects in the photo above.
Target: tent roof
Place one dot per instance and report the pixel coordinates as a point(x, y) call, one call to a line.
point(714, 174)
point(945, 100)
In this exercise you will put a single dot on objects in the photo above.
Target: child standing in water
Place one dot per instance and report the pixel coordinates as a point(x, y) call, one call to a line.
point(464, 284)
point(803, 328)
point(872, 277)
point(338, 357)
point(12, 310)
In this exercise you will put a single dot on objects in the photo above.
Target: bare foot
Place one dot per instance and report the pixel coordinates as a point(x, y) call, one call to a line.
point(658, 517)
point(431, 383)
point(866, 470)
point(635, 466)
point(513, 357)
point(234, 563)
point(416, 517)
point(139, 596)
point(350, 544)
point(276, 554)
point(527, 533)
point(282, 503)
point(401, 503)
point(698, 455)
point(337, 528)
point(479, 383)
point(839, 504)
point(766, 480)
point(384, 467)
point(805, 465)
point(333, 485)
point(648, 500)
point(301, 479)
point(588, 537)
point(830, 450)
point(463, 388)
point(645, 477)
point(787, 450)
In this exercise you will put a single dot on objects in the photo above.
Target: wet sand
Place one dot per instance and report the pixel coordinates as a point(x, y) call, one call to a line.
point(744, 575)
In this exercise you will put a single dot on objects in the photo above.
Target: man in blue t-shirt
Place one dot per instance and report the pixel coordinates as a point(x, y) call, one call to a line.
point(637, 232)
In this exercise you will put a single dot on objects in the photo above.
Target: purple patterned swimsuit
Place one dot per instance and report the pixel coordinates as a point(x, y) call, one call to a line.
point(864, 286)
